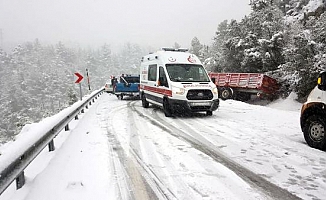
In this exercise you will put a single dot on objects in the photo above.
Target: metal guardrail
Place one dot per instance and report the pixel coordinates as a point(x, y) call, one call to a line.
point(15, 170)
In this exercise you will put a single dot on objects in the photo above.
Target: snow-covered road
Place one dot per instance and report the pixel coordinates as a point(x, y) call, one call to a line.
point(120, 150)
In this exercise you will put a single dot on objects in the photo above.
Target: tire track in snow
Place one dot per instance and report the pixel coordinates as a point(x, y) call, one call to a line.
point(143, 181)
point(270, 153)
point(121, 183)
point(157, 164)
point(202, 144)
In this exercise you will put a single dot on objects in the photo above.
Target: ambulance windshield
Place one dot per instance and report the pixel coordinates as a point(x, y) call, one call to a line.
point(187, 73)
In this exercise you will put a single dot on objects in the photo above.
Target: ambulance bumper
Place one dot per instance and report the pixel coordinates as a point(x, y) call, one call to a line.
point(194, 106)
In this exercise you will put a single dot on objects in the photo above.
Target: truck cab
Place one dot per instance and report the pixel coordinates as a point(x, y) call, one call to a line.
point(177, 81)
point(313, 115)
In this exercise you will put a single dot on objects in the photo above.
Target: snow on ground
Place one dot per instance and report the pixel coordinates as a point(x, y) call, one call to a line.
point(286, 104)
point(75, 170)
point(94, 160)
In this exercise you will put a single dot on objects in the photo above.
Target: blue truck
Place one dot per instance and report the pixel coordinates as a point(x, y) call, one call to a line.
point(127, 85)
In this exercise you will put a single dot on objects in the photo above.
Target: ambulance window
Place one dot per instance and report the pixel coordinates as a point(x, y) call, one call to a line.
point(152, 71)
point(162, 78)
point(186, 73)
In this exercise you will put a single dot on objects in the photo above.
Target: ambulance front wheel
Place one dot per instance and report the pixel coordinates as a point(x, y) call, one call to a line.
point(209, 113)
point(167, 108)
point(144, 102)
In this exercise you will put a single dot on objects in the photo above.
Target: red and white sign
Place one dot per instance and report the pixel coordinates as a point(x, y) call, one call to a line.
point(80, 77)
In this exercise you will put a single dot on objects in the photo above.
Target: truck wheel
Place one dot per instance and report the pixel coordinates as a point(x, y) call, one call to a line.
point(209, 113)
point(144, 102)
point(314, 132)
point(166, 108)
point(120, 97)
point(226, 93)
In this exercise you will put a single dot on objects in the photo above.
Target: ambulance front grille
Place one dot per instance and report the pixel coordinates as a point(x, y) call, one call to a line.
point(199, 95)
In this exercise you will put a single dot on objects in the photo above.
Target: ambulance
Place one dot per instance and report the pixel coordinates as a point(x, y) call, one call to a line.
point(313, 115)
point(176, 81)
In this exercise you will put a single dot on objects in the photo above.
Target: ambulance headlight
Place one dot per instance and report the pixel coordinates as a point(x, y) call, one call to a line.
point(179, 91)
point(214, 90)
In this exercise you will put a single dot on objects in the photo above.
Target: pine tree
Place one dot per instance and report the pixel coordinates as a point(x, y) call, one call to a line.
point(176, 45)
point(318, 33)
point(226, 52)
point(196, 48)
point(72, 96)
point(105, 63)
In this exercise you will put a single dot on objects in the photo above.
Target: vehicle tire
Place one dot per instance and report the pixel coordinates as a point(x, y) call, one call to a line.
point(144, 102)
point(226, 93)
point(209, 113)
point(314, 131)
point(166, 108)
point(119, 96)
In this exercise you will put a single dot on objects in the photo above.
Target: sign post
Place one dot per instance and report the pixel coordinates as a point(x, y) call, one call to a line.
point(89, 86)
point(80, 77)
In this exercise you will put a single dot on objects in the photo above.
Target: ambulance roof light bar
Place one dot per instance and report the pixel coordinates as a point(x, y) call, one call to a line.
point(173, 49)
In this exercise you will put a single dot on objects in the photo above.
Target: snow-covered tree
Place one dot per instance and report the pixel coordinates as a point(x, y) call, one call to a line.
point(129, 58)
point(196, 48)
point(176, 45)
point(39, 80)
point(318, 34)
point(225, 51)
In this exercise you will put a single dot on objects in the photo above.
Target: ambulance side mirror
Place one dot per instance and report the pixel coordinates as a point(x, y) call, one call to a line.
point(321, 81)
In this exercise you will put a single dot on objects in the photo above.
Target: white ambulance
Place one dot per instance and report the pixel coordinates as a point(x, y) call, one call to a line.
point(177, 81)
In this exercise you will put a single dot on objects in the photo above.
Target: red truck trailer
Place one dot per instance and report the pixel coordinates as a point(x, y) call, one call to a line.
point(242, 85)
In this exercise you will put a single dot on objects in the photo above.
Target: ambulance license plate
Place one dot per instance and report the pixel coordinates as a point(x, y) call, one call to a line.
point(200, 103)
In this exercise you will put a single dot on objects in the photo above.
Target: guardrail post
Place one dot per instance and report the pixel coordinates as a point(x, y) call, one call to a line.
point(90, 102)
point(51, 146)
point(82, 110)
point(93, 100)
point(67, 127)
point(20, 180)
point(86, 106)
point(76, 117)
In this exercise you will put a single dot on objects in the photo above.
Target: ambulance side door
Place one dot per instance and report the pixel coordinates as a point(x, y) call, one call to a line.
point(152, 82)
point(162, 80)
point(162, 84)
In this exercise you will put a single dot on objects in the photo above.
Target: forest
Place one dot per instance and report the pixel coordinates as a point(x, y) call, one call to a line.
point(282, 38)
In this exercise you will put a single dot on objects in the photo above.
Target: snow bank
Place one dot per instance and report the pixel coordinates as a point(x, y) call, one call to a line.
point(289, 103)
point(31, 133)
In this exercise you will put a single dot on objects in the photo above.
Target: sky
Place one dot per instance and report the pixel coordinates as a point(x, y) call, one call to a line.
point(153, 23)
point(88, 162)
